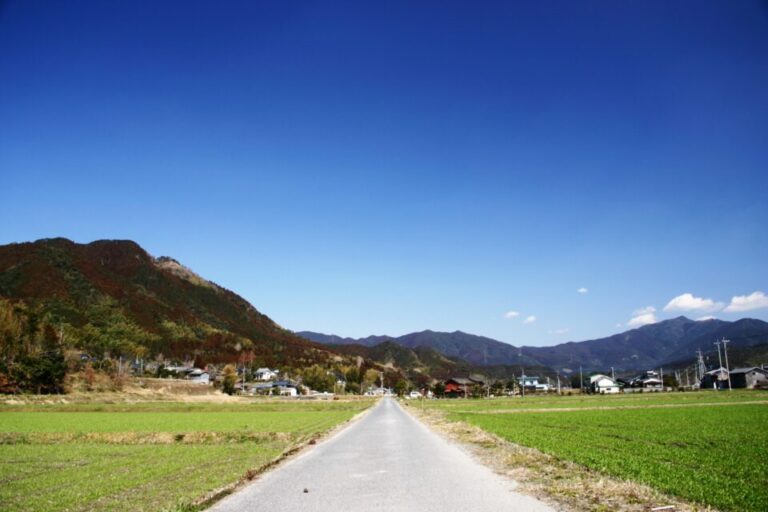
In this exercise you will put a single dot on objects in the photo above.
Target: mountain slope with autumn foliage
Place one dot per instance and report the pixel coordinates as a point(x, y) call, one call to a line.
point(112, 298)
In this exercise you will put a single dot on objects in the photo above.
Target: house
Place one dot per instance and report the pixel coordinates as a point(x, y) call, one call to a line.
point(532, 383)
point(648, 381)
point(715, 379)
point(260, 388)
point(458, 386)
point(285, 387)
point(603, 384)
point(265, 374)
point(749, 378)
point(378, 391)
point(199, 376)
point(476, 378)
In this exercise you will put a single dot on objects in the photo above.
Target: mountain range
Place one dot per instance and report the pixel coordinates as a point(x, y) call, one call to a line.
point(111, 298)
point(650, 346)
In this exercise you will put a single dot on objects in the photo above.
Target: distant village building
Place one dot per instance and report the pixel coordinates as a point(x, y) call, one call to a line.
point(265, 374)
point(286, 388)
point(603, 384)
point(378, 391)
point(715, 379)
point(648, 381)
point(458, 387)
point(199, 376)
point(749, 378)
point(532, 383)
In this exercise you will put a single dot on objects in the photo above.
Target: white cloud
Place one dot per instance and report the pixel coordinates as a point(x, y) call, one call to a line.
point(529, 320)
point(619, 325)
point(511, 314)
point(687, 302)
point(755, 300)
point(705, 318)
point(559, 331)
point(643, 316)
point(582, 290)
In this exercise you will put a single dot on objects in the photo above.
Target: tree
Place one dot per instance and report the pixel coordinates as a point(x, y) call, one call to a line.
point(370, 378)
point(576, 381)
point(439, 388)
point(401, 387)
point(230, 378)
point(318, 378)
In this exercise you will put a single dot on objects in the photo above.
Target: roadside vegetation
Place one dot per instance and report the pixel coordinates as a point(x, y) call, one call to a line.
point(708, 448)
point(148, 456)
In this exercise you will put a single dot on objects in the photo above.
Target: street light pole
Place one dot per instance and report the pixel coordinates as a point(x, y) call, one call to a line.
point(727, 368)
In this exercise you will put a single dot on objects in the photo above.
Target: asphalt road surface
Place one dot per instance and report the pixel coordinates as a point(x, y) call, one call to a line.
point(386, 461)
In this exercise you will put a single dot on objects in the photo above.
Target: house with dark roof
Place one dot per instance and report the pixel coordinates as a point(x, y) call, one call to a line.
point(749, 378)
point(648, 381)
point(715, 379)
point(458, 387)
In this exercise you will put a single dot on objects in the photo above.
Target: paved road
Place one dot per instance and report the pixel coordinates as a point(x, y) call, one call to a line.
point(387, 461)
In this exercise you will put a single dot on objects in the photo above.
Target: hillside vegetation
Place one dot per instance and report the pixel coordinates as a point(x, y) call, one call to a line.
point(110, 300)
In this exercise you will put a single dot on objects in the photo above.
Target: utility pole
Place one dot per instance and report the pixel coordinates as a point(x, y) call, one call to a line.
point(696, 372)
point(558, 384)
point(581, 379)
point(661, 377)
point(522, 373)
point(727, 368)
point(613, 376)
point(719, 358)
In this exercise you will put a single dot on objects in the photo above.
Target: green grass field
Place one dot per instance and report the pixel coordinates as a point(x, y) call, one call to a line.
point(145, 456)
point(676, 442)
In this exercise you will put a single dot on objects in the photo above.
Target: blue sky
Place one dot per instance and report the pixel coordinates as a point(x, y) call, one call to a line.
point(366, 168)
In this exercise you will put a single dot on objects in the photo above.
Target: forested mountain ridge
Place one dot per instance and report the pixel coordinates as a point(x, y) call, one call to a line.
point(111, 298)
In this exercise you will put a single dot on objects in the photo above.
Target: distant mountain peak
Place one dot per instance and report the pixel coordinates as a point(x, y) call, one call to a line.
point(177, 269)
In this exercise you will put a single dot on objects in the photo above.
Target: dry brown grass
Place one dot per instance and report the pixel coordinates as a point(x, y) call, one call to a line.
point(136, 438)
point(565, 485)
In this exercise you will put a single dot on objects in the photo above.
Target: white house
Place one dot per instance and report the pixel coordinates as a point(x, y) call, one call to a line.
point(603, 384)
point(265, 374)
point(199, 376)
point(532, 382)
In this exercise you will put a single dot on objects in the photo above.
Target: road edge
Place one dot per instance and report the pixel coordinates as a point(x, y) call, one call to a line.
point(291, 453)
